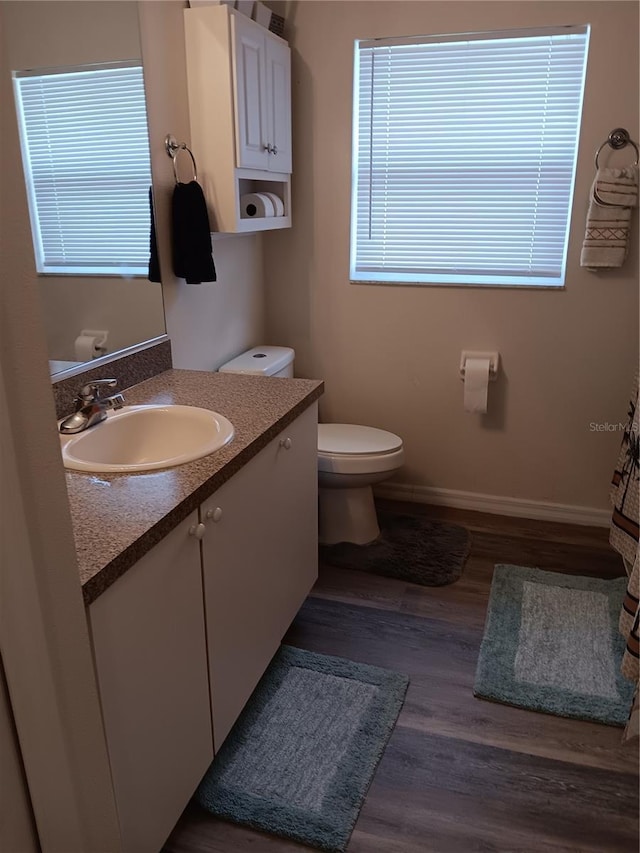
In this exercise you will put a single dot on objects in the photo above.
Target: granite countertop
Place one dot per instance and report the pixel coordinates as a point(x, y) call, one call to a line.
point(119, 517)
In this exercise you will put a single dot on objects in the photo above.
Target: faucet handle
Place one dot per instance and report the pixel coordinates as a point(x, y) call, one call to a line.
point(90, 392)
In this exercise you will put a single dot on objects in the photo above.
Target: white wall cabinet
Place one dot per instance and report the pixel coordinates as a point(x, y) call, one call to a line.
point(239, 81)
point(246, 558)
point(260, 561)
point(262, 88)
point(148, 636)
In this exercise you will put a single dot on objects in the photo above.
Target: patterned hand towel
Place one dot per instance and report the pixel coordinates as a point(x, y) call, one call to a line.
point(606, 239)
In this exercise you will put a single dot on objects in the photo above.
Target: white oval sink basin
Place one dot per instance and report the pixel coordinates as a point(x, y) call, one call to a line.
point(144, 438)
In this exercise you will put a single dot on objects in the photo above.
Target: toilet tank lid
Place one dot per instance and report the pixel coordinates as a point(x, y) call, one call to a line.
point(351, 438)
point(260, 361)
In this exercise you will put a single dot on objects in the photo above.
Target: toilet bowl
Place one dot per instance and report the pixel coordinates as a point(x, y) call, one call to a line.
point(351, 459)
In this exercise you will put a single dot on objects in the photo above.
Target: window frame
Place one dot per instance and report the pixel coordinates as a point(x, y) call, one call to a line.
point(86, 268)
point(450, 277)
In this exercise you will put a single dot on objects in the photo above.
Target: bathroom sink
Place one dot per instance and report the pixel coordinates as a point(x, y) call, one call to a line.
point(144, 438)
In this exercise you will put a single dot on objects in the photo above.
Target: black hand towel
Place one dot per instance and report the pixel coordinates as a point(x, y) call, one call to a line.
point(192, 258)
point(154, 263)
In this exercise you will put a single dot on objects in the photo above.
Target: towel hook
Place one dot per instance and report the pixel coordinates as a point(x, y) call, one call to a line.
point(173, 149)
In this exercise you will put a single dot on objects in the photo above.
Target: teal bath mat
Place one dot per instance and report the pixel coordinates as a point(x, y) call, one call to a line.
point(551, 644)
point(300, 759)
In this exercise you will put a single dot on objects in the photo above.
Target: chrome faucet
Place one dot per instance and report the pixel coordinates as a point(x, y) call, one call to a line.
point(91, 408)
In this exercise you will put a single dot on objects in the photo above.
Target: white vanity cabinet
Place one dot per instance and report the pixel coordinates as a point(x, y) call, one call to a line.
point(148, 635)
point(182, 638)
point(260, 560)
point(239, 83)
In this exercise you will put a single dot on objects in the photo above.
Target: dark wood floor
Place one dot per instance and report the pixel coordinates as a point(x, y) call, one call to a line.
point(460, 774)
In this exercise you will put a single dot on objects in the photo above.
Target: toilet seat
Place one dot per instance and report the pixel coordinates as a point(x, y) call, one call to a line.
point(354, 449)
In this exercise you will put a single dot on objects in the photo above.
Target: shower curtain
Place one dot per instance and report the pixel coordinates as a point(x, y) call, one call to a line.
point(624, 537)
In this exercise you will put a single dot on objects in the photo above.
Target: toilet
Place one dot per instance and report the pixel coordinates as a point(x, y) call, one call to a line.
point(351, 459)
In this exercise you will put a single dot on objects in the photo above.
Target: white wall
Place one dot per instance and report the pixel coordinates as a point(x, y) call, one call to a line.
point(207, 323)
point(53, 34)
point(390, 355)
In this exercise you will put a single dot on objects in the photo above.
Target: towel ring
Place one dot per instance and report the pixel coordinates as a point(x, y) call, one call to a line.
point(617, 139)
point(173, 149)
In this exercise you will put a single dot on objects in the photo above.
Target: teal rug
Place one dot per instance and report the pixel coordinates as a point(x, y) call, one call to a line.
point(300, 759)
point(551, 644)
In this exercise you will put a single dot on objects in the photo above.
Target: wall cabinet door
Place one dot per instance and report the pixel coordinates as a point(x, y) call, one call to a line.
point(262, 64)
point(278, 60)
point(150, 650)
point(259, 561)
point(252, 137)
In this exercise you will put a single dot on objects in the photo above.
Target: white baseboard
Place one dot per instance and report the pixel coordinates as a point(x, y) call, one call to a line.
point(495, 504)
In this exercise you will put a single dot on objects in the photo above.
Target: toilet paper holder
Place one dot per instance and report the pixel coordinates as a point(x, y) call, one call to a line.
point(494, 362)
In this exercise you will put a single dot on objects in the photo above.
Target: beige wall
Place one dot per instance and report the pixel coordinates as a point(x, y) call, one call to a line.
point(390, 355)
point(44, 639)
point(53, 34)
point(129, 309)
point(17, 827)
point(207, 323)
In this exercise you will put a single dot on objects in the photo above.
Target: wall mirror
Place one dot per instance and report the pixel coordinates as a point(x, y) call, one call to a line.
point(61, 40)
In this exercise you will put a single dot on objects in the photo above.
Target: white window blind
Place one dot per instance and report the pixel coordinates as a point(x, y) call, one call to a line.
point(86, 156)
point(464, 157)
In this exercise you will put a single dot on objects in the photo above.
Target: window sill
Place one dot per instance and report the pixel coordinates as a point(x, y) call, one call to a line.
point(458, 284)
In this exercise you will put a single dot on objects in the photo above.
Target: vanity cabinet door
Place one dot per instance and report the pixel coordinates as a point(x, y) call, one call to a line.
point(260, 561)
point(149, 644)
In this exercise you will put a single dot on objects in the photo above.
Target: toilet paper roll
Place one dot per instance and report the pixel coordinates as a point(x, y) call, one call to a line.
point(256, 206)
point(278, 204)
point(476, 384)
point(85, 347)
point(91, 343)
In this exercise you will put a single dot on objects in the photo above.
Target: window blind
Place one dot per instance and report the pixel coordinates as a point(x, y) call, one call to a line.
point(86, 155)
point(464, 157)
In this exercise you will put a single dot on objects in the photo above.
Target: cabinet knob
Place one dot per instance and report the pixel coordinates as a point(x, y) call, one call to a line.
point(272, 149)
point(286, 443)
point(214, 514)
point(197, 530)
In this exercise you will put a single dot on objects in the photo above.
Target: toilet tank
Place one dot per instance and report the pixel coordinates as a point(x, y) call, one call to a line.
point(262, 361)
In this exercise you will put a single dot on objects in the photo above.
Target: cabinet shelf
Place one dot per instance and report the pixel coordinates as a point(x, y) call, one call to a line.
point(266, 223)
point(239, 82)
